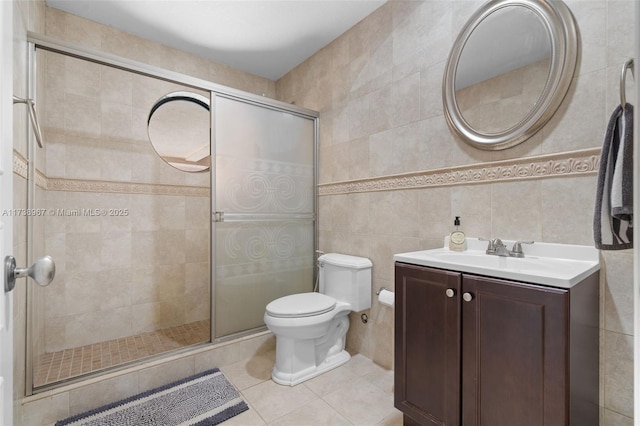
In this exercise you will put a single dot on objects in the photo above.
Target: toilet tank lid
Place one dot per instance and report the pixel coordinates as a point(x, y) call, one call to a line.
point(345, 260)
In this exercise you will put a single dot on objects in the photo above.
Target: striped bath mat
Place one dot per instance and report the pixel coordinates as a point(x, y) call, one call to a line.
point(204, 399)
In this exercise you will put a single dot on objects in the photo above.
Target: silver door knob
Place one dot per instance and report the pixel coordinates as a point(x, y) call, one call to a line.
point(467, 297)
point(450, 292)
point(42, 272)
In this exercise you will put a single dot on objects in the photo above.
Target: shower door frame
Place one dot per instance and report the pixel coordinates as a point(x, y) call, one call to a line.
point(38, 41)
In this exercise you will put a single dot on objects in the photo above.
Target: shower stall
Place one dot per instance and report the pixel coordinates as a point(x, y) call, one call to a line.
point(175, 210)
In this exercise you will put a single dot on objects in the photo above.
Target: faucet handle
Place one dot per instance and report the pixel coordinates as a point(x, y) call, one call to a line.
point(491, 247)
point(516, 251)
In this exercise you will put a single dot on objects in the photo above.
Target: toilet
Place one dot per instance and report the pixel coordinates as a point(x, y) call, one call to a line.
point(311, 328)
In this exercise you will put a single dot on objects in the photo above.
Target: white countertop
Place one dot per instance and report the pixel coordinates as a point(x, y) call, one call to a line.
point(557, 265)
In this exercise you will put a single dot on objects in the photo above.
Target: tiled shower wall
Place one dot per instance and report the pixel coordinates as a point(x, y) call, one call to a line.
point(133, 273)
point(141, 263)
point(378, 89)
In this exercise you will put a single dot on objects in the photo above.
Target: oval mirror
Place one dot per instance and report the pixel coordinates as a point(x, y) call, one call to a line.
point(180, 132)
point(508, 71)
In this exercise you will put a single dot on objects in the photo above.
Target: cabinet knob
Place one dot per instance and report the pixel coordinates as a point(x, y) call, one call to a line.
point(450, 292)
point(467, 297)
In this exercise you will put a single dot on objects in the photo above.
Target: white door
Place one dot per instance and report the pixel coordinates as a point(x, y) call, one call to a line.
point(6, 202)
point(636, 229)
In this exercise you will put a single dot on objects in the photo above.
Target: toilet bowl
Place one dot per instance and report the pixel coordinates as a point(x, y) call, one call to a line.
point(311, 328)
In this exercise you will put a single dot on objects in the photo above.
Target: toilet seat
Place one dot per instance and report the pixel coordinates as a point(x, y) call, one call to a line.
point(301, 305)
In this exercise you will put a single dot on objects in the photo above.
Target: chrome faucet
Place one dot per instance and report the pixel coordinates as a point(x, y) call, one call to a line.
point(497, 248)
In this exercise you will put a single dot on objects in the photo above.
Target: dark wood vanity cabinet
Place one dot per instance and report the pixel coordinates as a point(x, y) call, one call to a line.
point(472, 350)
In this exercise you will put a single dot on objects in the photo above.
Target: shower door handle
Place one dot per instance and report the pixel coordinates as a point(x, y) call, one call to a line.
point(42, 272)
point(218, 216)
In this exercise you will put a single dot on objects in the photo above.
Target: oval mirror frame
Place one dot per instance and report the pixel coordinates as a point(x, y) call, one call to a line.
point(196, 99)
point(562, 31)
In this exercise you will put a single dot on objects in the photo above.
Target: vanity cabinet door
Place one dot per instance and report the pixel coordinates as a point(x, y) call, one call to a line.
point(427, 345)
point(514, 353)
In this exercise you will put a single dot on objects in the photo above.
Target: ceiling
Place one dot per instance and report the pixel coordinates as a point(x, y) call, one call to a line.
point(263, 37)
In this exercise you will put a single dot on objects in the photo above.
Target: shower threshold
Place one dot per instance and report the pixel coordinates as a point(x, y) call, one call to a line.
point(53, 367)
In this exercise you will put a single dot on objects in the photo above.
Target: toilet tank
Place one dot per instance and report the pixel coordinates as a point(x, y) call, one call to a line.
point(346, 278)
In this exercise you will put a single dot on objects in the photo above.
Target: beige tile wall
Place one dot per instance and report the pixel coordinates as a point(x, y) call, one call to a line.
point(378, 89)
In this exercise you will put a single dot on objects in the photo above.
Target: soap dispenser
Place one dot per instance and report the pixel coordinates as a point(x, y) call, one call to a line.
point(457, 240)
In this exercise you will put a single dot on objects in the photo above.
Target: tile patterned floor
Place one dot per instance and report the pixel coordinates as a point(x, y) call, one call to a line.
point(357, 393)
point(56, 366)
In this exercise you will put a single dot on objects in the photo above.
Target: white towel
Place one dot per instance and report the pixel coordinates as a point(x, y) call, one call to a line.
point(613, 218)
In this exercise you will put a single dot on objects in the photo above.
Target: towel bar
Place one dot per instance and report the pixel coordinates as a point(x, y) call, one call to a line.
point(32, 116)
point(623, 77)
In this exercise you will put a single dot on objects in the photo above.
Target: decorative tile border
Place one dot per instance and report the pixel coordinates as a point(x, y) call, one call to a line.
point(77, 185)
point(21, 166)
point(41, 180)
point(544, 166)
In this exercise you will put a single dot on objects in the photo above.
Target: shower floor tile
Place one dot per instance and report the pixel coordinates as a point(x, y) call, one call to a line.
point(55, 366)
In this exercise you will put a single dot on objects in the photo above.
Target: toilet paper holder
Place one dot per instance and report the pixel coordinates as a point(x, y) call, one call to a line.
point(386, 297)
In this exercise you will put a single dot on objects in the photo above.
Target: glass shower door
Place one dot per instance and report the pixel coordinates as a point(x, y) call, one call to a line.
point(129, 233)
point(263, 210)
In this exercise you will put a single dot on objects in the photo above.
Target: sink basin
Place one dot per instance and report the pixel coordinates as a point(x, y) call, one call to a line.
point(558, 265)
